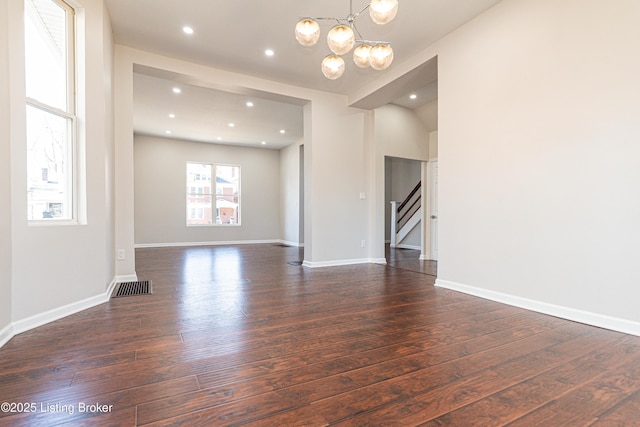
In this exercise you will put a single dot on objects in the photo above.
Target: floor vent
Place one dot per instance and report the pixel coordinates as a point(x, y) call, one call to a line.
point(294, 262)
point(128, 289)
point(281, 245)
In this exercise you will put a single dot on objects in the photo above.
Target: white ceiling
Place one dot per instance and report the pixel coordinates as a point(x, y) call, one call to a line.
point(205, 115)
point(233, 35)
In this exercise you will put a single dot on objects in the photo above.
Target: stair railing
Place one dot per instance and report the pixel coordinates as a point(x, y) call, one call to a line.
point(402, 212)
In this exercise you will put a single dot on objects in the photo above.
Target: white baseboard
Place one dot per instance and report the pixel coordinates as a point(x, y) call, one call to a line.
point(120, 279)
point(40, 319)
point(414, 247)
point(594, 319)
point(294, 244)
point(6, 334)
point(214, 243)
point(57, 313)
point(336, 263)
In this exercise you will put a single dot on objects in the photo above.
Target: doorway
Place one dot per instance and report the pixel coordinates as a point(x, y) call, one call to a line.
point(402, 178)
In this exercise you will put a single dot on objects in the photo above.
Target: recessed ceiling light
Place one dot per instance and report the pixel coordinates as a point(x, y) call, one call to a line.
point(269, 52)
point(282, 131)
point(168, 132)
point(172, 116)
point(187, 30)
point(264, 143)
point(177, 90)
point(219, 138)
point(249, 104)
point(232, 125)
point(413, 96)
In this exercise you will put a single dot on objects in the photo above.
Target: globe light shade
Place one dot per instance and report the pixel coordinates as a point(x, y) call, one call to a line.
point(332, 66)
point(362, 55)
point(341, 39)
point(381, 56)
point(307, 32)
point(383, 11)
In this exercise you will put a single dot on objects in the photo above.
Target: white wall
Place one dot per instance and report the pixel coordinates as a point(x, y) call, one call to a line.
point(433, 145)
point(160, 183)
point(58, 269)
point(428, 114)
point(290, 217)
point(5, 175)
point(404, 175)
point(109, 147)
point(123, 165)
point(539, 103)
point(338, 165)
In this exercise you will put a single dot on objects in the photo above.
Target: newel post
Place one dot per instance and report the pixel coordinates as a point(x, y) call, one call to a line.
point(394, 212)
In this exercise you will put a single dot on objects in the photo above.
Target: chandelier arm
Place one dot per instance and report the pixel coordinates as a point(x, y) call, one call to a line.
point(355, 29)
point(373, 42)
point(323, 18)
point(363, 9)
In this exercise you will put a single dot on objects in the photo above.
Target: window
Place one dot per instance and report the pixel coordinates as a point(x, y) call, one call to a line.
point(50, 110)
point(213, 202)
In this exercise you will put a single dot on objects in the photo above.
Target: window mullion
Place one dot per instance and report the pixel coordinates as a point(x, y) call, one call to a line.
point(51, 109)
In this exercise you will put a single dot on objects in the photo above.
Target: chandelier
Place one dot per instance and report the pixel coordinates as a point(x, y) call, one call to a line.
point(344, 36)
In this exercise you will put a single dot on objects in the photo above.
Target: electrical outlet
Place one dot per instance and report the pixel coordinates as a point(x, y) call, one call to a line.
point(120, 254)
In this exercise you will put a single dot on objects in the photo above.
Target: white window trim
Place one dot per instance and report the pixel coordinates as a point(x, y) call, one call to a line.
point(213, 193)
point(71, 113)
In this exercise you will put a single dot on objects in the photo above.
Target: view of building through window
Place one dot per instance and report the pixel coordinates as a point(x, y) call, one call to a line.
point(50, 115)
point(48, 153)
point(213, 194)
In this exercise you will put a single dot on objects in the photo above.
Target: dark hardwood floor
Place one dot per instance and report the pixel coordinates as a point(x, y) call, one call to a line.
point(238, 336)
point(409, 259)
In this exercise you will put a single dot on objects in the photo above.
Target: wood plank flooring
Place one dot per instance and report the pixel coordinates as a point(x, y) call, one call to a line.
point(235, 335)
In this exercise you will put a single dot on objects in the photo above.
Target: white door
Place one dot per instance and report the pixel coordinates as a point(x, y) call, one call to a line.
point(434, 210)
